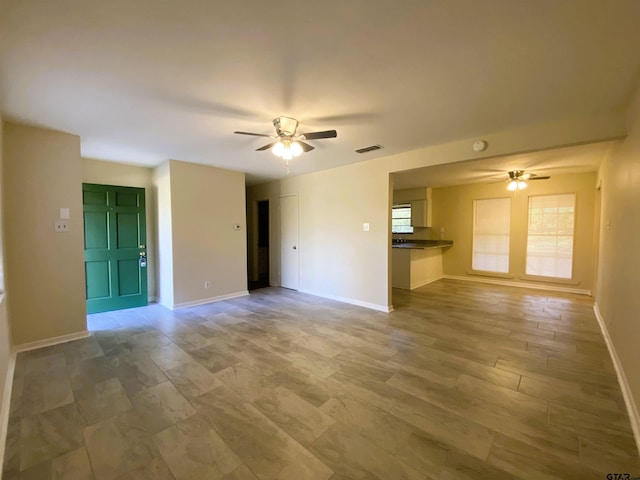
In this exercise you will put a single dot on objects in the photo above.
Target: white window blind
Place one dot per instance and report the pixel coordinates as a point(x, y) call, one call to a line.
point(550, 235)
point(491, 228)
point(401, 219)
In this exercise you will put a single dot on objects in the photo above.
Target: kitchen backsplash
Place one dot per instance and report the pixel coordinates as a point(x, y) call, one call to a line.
point(419, 233)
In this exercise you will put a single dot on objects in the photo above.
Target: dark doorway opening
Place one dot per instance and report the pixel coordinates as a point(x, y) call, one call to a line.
point(263, 246)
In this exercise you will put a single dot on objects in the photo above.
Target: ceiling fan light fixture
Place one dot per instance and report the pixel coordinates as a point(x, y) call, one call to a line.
point(278, 149)
point(516, 185)
point(287, 149)
point(296, 149)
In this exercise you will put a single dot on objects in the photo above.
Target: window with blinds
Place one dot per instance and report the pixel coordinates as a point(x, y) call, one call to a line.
point(550, 235)
point(491, 234)
point(401, 219)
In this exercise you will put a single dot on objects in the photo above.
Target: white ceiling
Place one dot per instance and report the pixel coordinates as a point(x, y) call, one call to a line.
point(145, 81)
point(558, 161)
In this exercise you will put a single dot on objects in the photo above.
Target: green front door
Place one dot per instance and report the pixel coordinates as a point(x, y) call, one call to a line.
point(115, 253)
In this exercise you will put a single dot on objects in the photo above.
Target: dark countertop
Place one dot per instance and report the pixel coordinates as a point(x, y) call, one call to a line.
point(422, 244)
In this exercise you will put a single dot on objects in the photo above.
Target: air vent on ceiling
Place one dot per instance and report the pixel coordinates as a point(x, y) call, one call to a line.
point(369, 149)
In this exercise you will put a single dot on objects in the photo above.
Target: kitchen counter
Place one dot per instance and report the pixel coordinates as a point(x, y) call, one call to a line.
point(417, 263)
point(422, 244)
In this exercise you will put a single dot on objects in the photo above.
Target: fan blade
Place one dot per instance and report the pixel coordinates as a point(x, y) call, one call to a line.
point(538, 178)
point(318, 135)
point(499, 181)
point(266, 147)
point(254, 134)
point(305, 146)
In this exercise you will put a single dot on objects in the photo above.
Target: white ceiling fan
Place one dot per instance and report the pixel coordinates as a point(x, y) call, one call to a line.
point(518, 179)
point(289, 143)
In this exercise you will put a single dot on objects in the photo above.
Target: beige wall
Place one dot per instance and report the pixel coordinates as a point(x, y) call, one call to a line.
point(453, 211)
point(338, 259)
point(205, 203)
point(617, 297)
point(109, 173)
point(44, 269)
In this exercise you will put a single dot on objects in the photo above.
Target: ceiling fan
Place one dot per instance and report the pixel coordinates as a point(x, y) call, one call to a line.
point(518, 179)
point(289, 143)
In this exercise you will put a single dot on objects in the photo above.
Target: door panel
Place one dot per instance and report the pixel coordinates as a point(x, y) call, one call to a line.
point(115, 242)
point(289, 242)
point(98, 283)
point(129, 277)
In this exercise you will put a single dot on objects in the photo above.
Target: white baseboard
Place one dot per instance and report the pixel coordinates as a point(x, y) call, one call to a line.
point(47, 342)
point(511, 283)
point(632, 408)
point(152, 299)
point(219, 298)
point(422, 284)
point(5, 408)
point(352, 301)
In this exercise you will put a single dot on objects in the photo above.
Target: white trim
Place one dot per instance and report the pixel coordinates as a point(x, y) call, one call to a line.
point(426, 282)
point(152, 299)
point(509, 283)
point(219, 298)
point(5, 409)
point(632, 408)
point(168, 306)
point(47, 342)
point(352, 301)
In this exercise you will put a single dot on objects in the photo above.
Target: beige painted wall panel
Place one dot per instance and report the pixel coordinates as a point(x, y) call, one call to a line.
point(45, 269)
point(164, 239)
point(337, 258)
point(205, 204)
point(453, 211)
point(426, 266)
point(618, 297)
point(401, 268)
point(109, 173)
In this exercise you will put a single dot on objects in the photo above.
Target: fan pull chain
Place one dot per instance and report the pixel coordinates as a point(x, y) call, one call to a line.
point(287, 167)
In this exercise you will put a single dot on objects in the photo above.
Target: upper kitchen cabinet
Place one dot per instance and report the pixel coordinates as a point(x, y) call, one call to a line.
point(420, 201)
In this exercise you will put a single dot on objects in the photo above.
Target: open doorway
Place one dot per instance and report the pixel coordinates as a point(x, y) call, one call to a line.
point(262, 279)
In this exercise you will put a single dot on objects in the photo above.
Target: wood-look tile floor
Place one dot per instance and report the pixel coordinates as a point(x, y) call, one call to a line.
point(462, 381)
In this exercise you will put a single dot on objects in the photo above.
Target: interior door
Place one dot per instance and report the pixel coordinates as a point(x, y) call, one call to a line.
point(115, 255)
point(289, 252)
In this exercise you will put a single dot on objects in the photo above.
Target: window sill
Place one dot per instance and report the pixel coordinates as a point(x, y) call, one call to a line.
point(558, 281)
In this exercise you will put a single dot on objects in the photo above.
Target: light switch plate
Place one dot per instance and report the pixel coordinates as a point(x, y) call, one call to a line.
point(365, 227)
point(64, 214)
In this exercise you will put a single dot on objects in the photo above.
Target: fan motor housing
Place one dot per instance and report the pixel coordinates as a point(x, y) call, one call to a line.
point(285, 126)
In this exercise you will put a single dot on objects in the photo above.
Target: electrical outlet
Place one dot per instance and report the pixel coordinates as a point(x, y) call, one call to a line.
point(62, 226)
point(207, 284)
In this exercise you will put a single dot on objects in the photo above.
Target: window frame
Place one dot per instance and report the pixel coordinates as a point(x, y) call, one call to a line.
point(496, 273)
point(573, 239)
point(399, 206)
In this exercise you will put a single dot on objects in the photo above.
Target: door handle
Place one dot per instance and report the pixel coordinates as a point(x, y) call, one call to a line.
point(295, 248)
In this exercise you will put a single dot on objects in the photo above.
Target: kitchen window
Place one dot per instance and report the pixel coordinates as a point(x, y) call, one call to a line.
point(491, 234)
point(401, 219)
point(550, 235)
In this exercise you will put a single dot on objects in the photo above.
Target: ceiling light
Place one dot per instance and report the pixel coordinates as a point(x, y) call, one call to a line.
point(287, 149)
point(516, 185)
